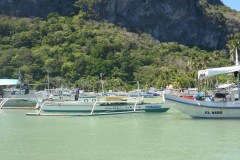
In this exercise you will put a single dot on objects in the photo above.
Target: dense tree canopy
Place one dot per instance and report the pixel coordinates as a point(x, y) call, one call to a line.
point(75, 50)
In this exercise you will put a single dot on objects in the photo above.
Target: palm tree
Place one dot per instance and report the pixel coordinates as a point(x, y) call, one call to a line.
point(233, 45)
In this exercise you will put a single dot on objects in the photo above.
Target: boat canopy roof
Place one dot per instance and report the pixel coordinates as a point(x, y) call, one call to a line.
point(221, 86)
point(202, 74)
point(8, 82)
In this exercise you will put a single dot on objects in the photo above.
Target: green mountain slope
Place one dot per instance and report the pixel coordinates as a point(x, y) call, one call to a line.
point(75, 50)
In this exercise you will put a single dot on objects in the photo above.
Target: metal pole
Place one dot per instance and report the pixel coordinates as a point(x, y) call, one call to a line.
point(101, 74)
point(238, 87)
point(237, 63)
point(48, 79)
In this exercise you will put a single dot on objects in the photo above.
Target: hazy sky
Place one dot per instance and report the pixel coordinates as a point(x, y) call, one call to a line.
point(234, 4)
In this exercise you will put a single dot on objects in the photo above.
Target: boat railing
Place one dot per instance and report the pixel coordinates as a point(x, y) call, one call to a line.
point(93, 107)
point(137, 101)
point(5, 100)
point(135, 105)
point(163, 97)
point(41, 104)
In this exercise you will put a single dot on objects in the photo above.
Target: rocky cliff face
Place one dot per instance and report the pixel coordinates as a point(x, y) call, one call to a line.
point(36, 8)
point(167, 20)
point(180, 21)
point(214, 2)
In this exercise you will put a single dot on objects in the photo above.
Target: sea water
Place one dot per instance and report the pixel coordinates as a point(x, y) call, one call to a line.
point(139, 136)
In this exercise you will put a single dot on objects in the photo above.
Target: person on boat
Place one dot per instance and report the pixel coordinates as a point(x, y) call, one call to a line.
point(1, 92)
point(26, 88)
point(77, 93)
point(209, 99)
point(199, 96)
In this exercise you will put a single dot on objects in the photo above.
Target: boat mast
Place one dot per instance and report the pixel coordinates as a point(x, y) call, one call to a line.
point(20, 76)
point(138, 89)
point(101, 75)
point(48, 81)
point(238, 76)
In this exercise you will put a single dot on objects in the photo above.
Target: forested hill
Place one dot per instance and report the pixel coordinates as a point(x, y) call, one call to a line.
point(202, 23)
point(77, 49)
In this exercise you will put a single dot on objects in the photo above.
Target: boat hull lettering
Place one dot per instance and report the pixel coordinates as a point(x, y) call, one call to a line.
point(213, 112)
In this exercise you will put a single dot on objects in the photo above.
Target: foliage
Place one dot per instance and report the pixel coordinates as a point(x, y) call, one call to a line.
point(233, 44)
point(73, 50)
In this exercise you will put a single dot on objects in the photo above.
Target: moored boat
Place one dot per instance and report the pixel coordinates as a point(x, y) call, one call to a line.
point(108, 104)
point(13, 98)
point(208, 107)
point(204, 109)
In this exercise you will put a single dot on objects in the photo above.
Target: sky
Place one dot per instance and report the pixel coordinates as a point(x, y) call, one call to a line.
point(234, 4)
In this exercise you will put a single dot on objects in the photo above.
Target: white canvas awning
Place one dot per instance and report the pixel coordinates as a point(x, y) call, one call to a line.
point(8, 82)
point(202, 74)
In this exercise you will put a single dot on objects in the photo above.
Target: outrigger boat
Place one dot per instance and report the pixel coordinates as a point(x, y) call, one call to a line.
point(228, 107)
point(16, 98)
point(106, 105)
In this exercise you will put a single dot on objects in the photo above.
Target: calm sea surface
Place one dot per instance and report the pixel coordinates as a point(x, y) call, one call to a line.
point(140, 136)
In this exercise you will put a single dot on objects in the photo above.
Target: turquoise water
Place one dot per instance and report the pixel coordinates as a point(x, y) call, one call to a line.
point(141, 136)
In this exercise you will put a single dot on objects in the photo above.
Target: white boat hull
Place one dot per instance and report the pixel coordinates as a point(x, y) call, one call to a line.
point(11, 103)
point(19, 100)
point(73, 106)
point(203, 109)
point(20, 103)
